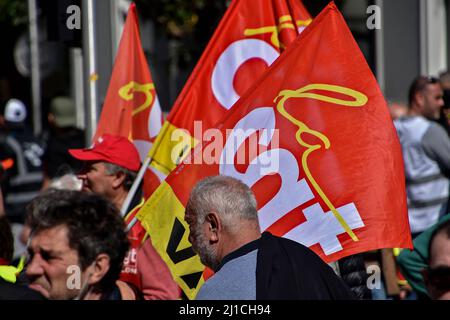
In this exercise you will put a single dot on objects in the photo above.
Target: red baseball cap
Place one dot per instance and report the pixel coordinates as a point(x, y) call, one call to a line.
point(114, 149)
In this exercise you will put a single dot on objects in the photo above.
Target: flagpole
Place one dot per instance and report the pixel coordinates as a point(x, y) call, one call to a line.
point(135, 186)
point(35, 66)
point(90, 73)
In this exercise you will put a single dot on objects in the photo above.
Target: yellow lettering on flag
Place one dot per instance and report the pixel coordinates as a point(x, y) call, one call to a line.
point(128, 90)
point(285, 22)
point(303, 23)
point(359, 100)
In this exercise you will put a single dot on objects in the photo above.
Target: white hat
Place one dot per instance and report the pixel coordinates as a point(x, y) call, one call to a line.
point(15, 111)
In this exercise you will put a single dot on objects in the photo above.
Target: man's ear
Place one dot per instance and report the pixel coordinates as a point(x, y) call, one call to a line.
point(214, 226)
point(98, 269)
point(118, 180)
point(420, 98)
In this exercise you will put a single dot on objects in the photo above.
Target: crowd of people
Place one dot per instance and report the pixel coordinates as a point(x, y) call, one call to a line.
point(67, 201)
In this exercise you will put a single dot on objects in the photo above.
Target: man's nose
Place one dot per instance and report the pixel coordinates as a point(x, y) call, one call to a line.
point(81, 175)
point(34, 267)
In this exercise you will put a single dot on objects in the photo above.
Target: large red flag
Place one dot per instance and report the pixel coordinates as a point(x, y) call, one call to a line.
point(326, 167)
point(131, 108)
point(250, 36)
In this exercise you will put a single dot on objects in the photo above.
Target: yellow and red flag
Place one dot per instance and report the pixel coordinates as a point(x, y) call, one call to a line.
point(326, 168)
point(250, 36)
point(131, 108)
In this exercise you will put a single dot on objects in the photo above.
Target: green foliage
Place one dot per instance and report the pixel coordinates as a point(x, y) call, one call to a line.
point(13, 12)
point(178, 17)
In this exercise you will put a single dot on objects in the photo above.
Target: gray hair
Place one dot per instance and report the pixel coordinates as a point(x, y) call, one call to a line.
point(130, 176)
point(227, 196)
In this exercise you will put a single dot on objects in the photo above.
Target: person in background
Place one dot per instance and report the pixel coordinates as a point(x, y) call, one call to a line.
point(426, 154)
point(62, 136)
point(24, 179)
point(9, 290)
point(444, 119)
point(397, 110)
point(413, 262)
point(437, 274)
point(225, 232)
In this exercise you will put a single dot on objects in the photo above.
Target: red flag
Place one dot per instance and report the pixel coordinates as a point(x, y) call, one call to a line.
point(249, 38)
point(131, 107)
point(326, 167)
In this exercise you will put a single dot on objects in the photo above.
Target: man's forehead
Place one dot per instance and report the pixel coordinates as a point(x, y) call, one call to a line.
point(55, 238)
point(433, 88)
point(96, 164)
point(93, 162)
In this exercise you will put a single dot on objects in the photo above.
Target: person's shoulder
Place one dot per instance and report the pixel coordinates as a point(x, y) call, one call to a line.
point(268, 237)
point(436, 129)
point(300, 252)
point(11, 291)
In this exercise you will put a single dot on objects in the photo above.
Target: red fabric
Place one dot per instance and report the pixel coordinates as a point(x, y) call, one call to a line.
point(242, 15)
point(144, 268)
point(155, 276)
point(131, 108)
point(114, 149)
point(3, 262)
point(241, 28)
point(339, 154)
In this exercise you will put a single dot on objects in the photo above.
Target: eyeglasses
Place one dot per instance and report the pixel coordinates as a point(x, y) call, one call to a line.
point(439, 277)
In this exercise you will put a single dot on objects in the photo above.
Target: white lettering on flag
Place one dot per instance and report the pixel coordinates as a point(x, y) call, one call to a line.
point(323, 228)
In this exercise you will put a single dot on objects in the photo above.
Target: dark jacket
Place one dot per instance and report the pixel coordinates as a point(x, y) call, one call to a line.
point(290, 271)
point(11, 291)
point(353, 272)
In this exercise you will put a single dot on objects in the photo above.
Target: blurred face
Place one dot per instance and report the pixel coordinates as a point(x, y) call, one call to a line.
point(432, 101)
point(96, 178)
point(437, 276)
point(50, 258)
point(199, 241)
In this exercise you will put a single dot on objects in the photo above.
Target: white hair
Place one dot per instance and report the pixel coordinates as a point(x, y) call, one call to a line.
point(226, 196)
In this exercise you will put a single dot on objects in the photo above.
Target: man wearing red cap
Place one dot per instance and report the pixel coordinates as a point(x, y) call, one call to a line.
point(110, 169)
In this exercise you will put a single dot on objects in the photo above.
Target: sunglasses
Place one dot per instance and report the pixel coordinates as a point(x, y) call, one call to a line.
point(439, 277)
